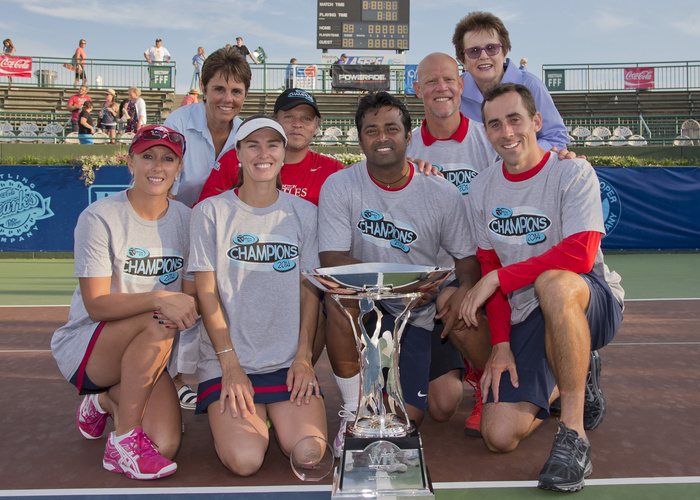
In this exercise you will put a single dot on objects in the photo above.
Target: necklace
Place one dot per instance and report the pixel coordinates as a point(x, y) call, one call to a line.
point(388, 184)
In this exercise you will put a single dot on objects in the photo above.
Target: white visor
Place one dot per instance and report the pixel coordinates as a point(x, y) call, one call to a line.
point(251, 125)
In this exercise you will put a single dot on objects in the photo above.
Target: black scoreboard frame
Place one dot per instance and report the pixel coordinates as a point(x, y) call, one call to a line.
point(363, 25)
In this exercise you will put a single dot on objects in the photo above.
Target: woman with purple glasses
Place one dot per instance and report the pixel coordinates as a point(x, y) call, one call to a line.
point(482, 43)
point(133, 295)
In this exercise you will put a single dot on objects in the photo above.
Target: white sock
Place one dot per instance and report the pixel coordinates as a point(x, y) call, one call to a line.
point(117, 439)
point(96, 402)
point(350, 390)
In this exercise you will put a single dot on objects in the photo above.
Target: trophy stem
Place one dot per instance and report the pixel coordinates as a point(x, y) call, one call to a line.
point(379, 352)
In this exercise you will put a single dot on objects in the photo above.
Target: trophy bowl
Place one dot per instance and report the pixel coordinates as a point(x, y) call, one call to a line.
point(377, 277)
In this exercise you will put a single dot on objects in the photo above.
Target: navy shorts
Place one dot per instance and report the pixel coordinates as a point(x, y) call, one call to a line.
point(268, 387)
point(537, 382)
point(414, 359)
point(444, 357)
point(80, 378)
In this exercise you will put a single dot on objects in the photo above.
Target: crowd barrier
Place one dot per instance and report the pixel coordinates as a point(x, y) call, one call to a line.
point(645, 208)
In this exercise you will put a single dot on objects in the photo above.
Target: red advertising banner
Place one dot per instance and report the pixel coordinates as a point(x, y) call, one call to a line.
point(639, 78)
point(16, 66)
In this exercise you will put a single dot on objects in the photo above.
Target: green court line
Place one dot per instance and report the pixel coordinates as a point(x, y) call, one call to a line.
point(644, 276)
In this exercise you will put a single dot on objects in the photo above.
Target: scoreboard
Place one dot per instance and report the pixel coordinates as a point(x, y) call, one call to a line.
point(363, 24)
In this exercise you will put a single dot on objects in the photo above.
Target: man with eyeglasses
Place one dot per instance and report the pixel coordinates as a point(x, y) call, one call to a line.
point(482, 43)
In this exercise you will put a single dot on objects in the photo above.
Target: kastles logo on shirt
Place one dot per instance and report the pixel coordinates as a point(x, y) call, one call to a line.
point(460, 177)
point(250, 249)
point(139, 262)
point(515, 226)
point(373, 224)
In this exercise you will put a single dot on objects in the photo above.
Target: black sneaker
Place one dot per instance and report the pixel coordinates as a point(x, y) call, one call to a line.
point(569, 462)
point(594, 406)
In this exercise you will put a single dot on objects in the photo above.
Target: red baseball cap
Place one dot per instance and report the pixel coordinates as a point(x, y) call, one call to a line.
point(158, 135)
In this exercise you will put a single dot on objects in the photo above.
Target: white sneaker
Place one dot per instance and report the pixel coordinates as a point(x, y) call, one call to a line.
point(345, 417)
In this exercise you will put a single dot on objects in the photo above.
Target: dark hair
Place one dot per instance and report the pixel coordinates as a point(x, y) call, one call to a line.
point(230, 63)
point(479, 21)
point(378, 100)
point(8, 42)
point(504, 88)
point(87, 105)
point(239, 183)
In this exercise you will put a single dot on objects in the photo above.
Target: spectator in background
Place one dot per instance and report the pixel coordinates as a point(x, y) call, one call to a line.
point(86, 129)
point(190, 98)
point(136, 108)
point(198, 62)
point(75, 105)
point(244, 50)
point(289, 78)
point(482, 43)
point(109, 114)
point(343, 59)
point(79, 63)
point(157, 53)
point(523, 64)
point(8, 49)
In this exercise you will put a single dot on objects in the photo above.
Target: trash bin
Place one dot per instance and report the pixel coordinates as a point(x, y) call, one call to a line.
point(45, 77)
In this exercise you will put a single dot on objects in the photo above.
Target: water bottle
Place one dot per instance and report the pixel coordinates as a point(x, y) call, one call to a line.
point(98, 82)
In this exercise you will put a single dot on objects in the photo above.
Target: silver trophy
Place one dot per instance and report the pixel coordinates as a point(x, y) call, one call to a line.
point(382, 455)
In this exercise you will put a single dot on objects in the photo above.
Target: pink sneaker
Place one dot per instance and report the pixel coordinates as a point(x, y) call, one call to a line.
point(137, 457)
point(91, 421)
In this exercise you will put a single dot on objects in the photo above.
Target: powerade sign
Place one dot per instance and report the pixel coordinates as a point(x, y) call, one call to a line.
point(361, 77)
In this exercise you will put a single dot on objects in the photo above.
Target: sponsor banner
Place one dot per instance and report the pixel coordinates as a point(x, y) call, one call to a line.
point(39, 206)
point(639, 78)
point(361, 77)
point(391, 59)
point(16, 66)
point(650, 208)
point(160, 76)
point(304, 77)
point(411, 70)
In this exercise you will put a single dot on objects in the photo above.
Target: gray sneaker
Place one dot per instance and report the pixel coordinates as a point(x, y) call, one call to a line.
point(569, 462)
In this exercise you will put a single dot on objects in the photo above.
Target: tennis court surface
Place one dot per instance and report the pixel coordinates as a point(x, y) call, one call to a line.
point(647, 447)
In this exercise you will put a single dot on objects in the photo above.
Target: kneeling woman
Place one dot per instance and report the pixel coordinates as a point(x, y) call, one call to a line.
point(130, 255)
point(248, 248)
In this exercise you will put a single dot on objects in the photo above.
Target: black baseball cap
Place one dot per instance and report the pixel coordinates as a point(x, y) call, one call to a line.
point(158, 40)
point(291, 98)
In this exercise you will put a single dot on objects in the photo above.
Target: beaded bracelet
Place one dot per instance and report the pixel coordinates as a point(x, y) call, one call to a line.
point(225, 350)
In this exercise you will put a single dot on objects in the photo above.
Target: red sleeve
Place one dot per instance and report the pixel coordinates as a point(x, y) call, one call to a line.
point(575, 253)
point(222, 179)
point(497, 306)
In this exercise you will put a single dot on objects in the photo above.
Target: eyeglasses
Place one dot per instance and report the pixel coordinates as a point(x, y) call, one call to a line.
point(475, 52)
point(156, 135)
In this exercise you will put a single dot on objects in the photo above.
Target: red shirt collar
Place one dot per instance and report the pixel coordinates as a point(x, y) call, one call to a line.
point(458, 136)
point(530, 173)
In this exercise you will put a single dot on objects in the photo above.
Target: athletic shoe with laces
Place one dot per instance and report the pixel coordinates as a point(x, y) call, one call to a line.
point(594, 405)
point(472, 427)
point(568, 464)
point(91, 421)
point(136, 456)
point(345, 417)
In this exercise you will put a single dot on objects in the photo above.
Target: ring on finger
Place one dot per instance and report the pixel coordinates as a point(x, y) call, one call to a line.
point(311, 383)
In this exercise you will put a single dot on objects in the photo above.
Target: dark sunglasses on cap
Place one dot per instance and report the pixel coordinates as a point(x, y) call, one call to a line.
point(155, 134)
point(475, 52)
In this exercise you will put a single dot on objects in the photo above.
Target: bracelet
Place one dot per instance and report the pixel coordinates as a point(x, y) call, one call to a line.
point(225, 351)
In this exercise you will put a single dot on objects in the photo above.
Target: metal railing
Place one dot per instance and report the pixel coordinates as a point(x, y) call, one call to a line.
point(602, 77)
point(100, 73)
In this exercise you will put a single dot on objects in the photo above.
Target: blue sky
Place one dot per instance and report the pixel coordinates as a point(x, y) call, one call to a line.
point(546, 32)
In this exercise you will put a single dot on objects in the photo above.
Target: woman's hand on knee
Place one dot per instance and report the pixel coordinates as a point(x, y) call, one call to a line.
point(302, 383)
point(236, 386)
point(179, 309)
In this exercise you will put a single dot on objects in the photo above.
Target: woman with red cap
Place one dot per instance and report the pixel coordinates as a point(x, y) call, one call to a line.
point(133, 295)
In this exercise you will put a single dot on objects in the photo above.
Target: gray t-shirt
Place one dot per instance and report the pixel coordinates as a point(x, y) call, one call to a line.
point(526, 218)
point(139, 255)
point(459, 161)
point(257, 254)
point(405, 226)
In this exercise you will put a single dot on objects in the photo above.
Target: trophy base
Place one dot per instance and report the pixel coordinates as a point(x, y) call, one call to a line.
point(384, 468)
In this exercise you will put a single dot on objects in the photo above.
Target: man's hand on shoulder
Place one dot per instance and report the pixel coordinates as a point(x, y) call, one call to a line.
point(425, 167)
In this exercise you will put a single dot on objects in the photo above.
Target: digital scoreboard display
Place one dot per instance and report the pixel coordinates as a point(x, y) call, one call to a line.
point(363, 24)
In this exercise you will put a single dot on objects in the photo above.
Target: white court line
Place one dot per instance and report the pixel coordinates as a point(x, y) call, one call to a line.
point(327, 488)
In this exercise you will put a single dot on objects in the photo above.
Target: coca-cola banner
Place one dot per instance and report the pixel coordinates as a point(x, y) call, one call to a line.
point(16, 66)
point(639, 78)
